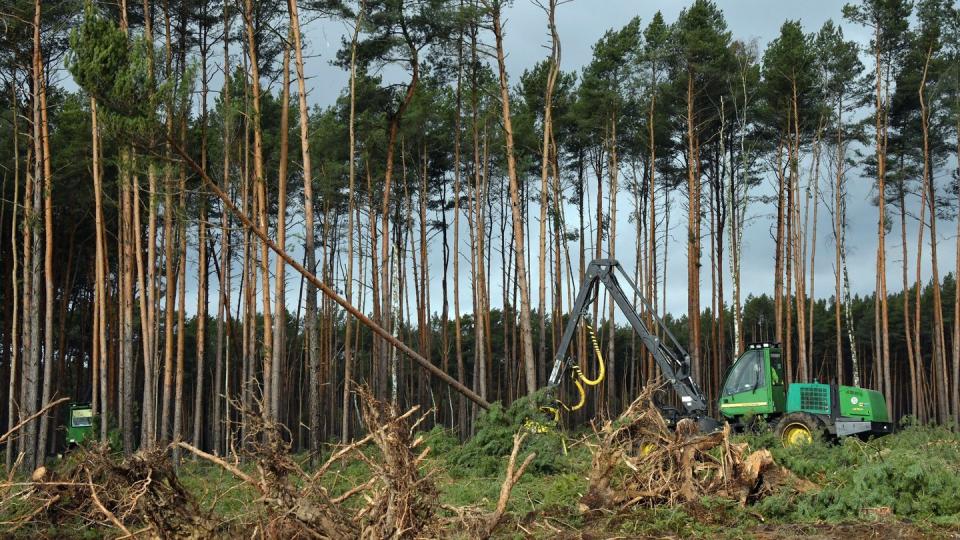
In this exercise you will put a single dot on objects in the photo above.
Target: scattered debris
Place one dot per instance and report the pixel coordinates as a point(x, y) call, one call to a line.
point(102, 488)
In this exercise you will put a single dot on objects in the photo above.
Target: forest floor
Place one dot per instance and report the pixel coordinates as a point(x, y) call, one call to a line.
point(906, 485)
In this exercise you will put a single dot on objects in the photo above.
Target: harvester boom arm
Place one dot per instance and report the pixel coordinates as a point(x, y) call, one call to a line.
point(671, 358)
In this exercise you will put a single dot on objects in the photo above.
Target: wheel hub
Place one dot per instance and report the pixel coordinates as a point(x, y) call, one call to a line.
point(797, 434)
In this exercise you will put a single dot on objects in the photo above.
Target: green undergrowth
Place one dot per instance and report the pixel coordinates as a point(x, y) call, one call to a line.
point(913, 474)
point(486, 452)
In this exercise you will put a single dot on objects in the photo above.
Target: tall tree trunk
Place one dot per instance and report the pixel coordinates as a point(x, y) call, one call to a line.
point(280, 309)
point(544, 168)
point(100, 313)
point(881, 296)
point(779, 247)
point(955, 393)
point(476, 249)
point(813, 244)
point(908, 334)
point(939, 358)
point(614, 169)
point(31, 305)
point(838, 234)
point(651, 270)
point(693, 232)
point(348, 286)
point(221, 388)
point(168, 255)
point(525, 328)
point(260, 189)
point(312, 336)
point(799, 250)
point(47, 262)
point(12, 404)
point(126, 299)
point(461, 415)
point(181, 309)
point(202, 257)
point(147, 277)
point(918, 350)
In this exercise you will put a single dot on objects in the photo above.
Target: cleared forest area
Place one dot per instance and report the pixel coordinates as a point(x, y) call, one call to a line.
point(229, 309)
point(503, 483)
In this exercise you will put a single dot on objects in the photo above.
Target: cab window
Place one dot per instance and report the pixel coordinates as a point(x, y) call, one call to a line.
point(746, 375)
point(82, 418)
point(776, 368)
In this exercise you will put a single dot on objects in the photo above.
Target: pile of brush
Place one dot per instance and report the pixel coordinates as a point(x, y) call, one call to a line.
point(639, 460)
point(142, 494)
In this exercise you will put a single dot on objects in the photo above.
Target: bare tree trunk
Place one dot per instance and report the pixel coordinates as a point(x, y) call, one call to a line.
point(260, 189)
point(31, 363)
point(839, 203)
point(202, 257)
point(181, 308)
point(393, 131)
point(221, 388)
point(29, 293)
point(147, 277)
point(779, 245)
point(939, 358)
point(614, 169)
point(544, 169)
point(348, 286)
point(280, 309)
point(248, 284)
point(813, 243)
point(652, 213)
point(310, 319)
point(127, 233)
point(476, 253)
point(461, 415)
point(693, 234)
point(525, 328)
point(881, 296)
point(738, 211)
point(47, 264)
point(955, 394)
point(908, 333)
point(789, 255)
point(847, 299)
point(918, 351)
point(100, 359)
point(12, 404)
point(168, 255)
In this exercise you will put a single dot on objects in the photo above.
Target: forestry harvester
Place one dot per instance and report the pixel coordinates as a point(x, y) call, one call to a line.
point(753, 388)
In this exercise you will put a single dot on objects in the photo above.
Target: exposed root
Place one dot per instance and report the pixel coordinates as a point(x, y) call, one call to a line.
point(112, 492)
point(477, 523)
point(639, 460)
point(513, 476)
point(404, 502)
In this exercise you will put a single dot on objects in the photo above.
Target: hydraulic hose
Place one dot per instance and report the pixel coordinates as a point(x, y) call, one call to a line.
point(596, 349)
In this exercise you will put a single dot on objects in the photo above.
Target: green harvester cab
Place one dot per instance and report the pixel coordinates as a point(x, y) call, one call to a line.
point(755, 387)
point(79, 424)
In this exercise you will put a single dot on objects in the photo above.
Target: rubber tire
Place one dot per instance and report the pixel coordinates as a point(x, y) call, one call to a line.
point(810, 422)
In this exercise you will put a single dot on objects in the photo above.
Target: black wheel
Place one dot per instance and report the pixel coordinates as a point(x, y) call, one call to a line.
point(799, 428)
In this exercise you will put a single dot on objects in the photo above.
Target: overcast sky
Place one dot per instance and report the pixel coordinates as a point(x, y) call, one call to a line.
point(580, 24)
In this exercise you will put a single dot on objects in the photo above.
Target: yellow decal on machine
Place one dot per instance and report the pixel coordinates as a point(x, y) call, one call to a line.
point(751, 404)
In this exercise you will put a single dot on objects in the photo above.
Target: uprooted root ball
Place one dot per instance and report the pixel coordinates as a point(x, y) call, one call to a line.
point(141, 491)
point(639, 460)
